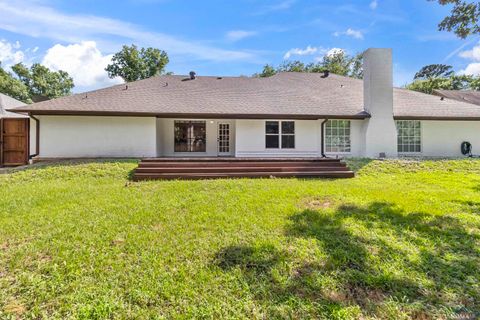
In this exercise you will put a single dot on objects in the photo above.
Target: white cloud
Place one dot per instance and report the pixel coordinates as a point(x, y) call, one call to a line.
point(236, 35)
point(357, 34)
point(334, 51)
point(31, 18)
point(309, 50)
point(374, 4)
point(83, 61)
point(474, 56)
point(472, 68)
point(9, 53)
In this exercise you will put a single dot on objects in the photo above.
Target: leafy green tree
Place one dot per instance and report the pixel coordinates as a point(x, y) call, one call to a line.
point(268, 71)
point(434, 71)
point(337, 62)
point(463, 19)
point(453, 82)
point(292, 66)
point(42, 82)
point(475, 83)
point(132, 64)
point(13, 87)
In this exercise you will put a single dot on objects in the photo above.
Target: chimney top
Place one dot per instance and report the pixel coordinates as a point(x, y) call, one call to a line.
point(193, 75)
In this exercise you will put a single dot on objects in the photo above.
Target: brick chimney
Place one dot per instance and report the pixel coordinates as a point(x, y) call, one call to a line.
point(380, 130)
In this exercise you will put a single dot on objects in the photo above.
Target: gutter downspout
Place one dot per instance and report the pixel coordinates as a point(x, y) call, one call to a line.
point(323, 138)
point(37, 137)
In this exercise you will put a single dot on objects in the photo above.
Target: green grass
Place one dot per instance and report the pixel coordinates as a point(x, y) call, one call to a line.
point(400, 241)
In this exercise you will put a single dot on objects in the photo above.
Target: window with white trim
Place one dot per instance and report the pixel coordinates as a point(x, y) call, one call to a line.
point(409, 136)
point(337, 136)
point(280, 134)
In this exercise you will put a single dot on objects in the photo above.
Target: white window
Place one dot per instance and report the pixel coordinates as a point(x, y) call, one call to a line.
point(280, 134)
point(337, 136)
point(409, 136)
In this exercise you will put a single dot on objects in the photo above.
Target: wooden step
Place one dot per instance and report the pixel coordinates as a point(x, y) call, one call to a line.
point(236, 169)
point(214, 164)
point(195, 176)
point(220, 159)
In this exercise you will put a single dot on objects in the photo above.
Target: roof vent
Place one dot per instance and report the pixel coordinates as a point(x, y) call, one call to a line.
point(326, 73)
point(193, 75)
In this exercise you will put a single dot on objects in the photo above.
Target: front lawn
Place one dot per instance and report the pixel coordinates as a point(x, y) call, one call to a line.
point(399, 241)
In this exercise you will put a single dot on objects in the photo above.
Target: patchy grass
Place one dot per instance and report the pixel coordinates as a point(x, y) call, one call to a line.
point(400, 241)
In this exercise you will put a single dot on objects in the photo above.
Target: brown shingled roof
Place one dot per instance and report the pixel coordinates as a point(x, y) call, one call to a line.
point(7, 102)
point(286, 95)
point(468, 96)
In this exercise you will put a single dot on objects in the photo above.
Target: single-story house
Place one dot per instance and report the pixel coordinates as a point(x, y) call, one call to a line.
point(469, 96)
point(286, 115)
point(14, 133)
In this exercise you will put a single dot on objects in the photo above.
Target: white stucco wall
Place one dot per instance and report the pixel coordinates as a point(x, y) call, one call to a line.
point(443, 138)
point(91, 136)
point(33, 137)
point(379, 131)
point(250, 139)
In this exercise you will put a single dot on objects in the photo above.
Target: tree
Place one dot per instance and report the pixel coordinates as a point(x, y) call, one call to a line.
point(434, 71)
point(464, 17)
point(428, 85)
point(132, 64)
point(268, 71)
point(42, 82)
point(337, 62)
point(292, 66)
point(13, 87)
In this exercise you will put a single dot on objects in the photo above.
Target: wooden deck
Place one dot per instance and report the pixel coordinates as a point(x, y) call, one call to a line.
point(215, 168)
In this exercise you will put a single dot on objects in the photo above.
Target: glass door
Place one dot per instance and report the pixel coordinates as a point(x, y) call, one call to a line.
point(224, 135)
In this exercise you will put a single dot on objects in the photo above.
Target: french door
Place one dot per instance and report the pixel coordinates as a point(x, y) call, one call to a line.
point(224, 138)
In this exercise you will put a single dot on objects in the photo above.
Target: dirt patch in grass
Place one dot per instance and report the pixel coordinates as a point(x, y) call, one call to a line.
point(15, 307)
point(318, 203)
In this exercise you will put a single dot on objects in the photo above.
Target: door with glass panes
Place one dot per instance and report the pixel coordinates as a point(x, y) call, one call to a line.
point(224, 139)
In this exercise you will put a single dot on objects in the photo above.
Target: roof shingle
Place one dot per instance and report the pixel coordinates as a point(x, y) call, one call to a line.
point(295, 95)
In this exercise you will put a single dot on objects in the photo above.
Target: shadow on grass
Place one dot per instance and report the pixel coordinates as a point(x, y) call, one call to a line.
point(368, 270)
point(469, 206)
point(356, 164)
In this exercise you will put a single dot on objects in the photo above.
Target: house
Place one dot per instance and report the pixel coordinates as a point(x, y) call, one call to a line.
point(14, 133)
point(469, 96)
point(286, 115)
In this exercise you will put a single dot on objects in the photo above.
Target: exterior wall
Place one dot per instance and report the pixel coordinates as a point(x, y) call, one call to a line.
point(91, 136)
point(165, 138)
point(443, 138)
point(250, 141)
point(379, 131)
point(33, 136)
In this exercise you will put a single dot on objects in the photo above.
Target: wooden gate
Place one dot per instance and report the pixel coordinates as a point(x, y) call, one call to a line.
point(14, 142)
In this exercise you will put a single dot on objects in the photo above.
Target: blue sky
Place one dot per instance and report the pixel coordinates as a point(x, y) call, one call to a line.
point(216, 37)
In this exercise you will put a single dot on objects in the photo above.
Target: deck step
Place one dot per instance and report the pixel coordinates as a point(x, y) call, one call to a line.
point(216, 168)
point(216, 164)
point(220, 159)
point(193, 176)
point(236, 169)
